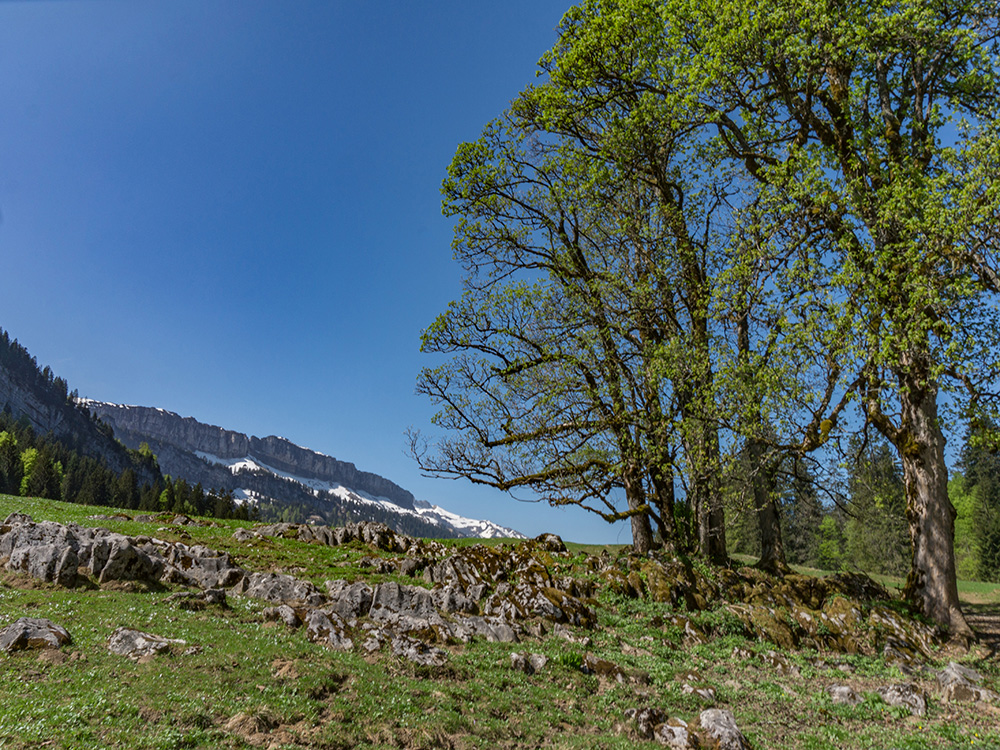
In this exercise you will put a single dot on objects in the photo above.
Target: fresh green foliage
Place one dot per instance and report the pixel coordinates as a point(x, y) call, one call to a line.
point(979, 495)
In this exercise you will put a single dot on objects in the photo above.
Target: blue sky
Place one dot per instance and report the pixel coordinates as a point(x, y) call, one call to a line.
point(231, 209)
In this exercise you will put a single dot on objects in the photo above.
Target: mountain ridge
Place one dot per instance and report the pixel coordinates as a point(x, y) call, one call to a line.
point(273, 471)
point(137, 424)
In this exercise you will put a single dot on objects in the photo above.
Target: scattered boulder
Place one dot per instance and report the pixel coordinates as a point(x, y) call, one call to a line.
point(960, 684)
point(550, 542)
point(906, 695)
point(674, 733)
point(33, 633)
point(528, 663)
point(720, 725)
point(136, 644)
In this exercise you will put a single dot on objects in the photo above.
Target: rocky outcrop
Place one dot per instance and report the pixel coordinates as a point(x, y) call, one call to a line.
point(456, 610)
point(54, 553)
point(177, 439)
point(847, 613)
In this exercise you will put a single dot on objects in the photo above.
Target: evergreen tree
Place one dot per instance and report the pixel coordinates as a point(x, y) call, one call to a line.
point(11, 468)
point(125, 491)
point(831, 541)
point(877, 538)
point(980, 460)
point(801, 514)
point(42, 476)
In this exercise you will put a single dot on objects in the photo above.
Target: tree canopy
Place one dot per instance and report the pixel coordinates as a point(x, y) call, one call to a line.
point(707, 231)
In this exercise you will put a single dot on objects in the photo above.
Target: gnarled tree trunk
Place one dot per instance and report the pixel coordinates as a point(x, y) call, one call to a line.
point(772, 549)
point(931, 584)
point(642, 531)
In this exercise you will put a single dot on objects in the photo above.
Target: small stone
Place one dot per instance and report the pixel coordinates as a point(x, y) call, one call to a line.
point(520, 663)
point(646, 720)
point(905, 695)
point(707, 694)
point(780, 664)
point(843, 694)
point(528, 663)
point(603, 668)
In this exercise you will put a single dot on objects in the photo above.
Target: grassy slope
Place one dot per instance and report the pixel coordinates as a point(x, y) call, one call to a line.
point(304, 695)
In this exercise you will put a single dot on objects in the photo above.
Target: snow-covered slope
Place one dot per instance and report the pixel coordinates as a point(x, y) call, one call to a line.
point(433, 514)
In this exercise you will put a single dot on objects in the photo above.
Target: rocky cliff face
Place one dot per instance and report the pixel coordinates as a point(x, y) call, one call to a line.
point(177, 440)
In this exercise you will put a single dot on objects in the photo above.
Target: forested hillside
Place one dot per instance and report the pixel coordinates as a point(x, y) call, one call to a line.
point(52, 447)
point(854, 518)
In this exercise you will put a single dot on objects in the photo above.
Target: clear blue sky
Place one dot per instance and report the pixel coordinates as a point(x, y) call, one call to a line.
point(231, 209)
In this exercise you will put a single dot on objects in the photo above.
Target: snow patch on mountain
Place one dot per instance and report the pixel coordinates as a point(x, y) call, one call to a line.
point(466, 527)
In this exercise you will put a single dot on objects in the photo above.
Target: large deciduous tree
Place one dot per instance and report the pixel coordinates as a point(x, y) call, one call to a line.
point(875, 122)
point(570, 346)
